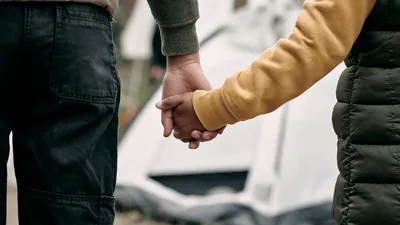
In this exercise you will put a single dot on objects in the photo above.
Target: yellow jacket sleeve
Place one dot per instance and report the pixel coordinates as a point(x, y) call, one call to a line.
point(323, 36)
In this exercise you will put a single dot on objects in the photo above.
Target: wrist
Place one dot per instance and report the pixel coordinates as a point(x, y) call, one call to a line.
point(211, 109)
point(183, 60)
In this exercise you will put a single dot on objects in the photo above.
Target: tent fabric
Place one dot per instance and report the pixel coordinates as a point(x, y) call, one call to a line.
point(291, 176)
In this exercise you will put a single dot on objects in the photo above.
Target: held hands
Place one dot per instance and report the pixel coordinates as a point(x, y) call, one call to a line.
point(183, 75)
point(187, 126)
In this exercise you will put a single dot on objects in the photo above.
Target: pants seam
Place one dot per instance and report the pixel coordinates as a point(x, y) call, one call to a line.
point(68, 198)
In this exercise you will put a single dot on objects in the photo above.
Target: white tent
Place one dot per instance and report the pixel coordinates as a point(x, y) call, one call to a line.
point(289, 154)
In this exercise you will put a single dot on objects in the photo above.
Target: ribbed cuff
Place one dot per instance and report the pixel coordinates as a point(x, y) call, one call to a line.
point(212, 110)
point(179, 40)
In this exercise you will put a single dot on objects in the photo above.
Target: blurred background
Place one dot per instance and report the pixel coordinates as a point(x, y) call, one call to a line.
point(267, 171)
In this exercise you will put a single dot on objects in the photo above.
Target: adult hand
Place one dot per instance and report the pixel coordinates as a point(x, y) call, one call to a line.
point(183, 74)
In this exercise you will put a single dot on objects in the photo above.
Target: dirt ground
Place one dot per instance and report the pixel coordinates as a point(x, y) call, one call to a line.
point(121, 219)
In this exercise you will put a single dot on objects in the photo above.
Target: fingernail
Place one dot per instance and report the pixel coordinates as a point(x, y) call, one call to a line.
point(158, 104)
point(207, 137)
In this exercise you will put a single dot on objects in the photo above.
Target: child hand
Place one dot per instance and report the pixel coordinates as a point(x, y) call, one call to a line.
point(187, 127)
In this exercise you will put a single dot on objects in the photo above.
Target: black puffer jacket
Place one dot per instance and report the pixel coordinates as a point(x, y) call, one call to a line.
point(367, 122)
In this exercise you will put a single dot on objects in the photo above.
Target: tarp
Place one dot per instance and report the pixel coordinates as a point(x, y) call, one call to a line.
point(289, 154)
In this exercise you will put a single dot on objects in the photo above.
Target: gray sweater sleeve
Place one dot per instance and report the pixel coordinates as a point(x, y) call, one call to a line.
point(176, 19)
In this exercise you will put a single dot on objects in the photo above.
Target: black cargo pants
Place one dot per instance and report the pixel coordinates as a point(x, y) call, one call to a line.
point(59, 93)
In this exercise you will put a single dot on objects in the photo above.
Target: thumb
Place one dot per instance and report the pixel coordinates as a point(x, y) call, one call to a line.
point(169, 103)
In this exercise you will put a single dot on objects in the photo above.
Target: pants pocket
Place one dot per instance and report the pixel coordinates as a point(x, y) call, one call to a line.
point(84, 64)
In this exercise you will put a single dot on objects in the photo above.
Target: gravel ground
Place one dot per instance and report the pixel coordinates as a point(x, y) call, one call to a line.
point(133, 218)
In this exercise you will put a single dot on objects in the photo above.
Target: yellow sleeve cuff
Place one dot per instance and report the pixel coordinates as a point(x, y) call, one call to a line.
point(211, 109)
